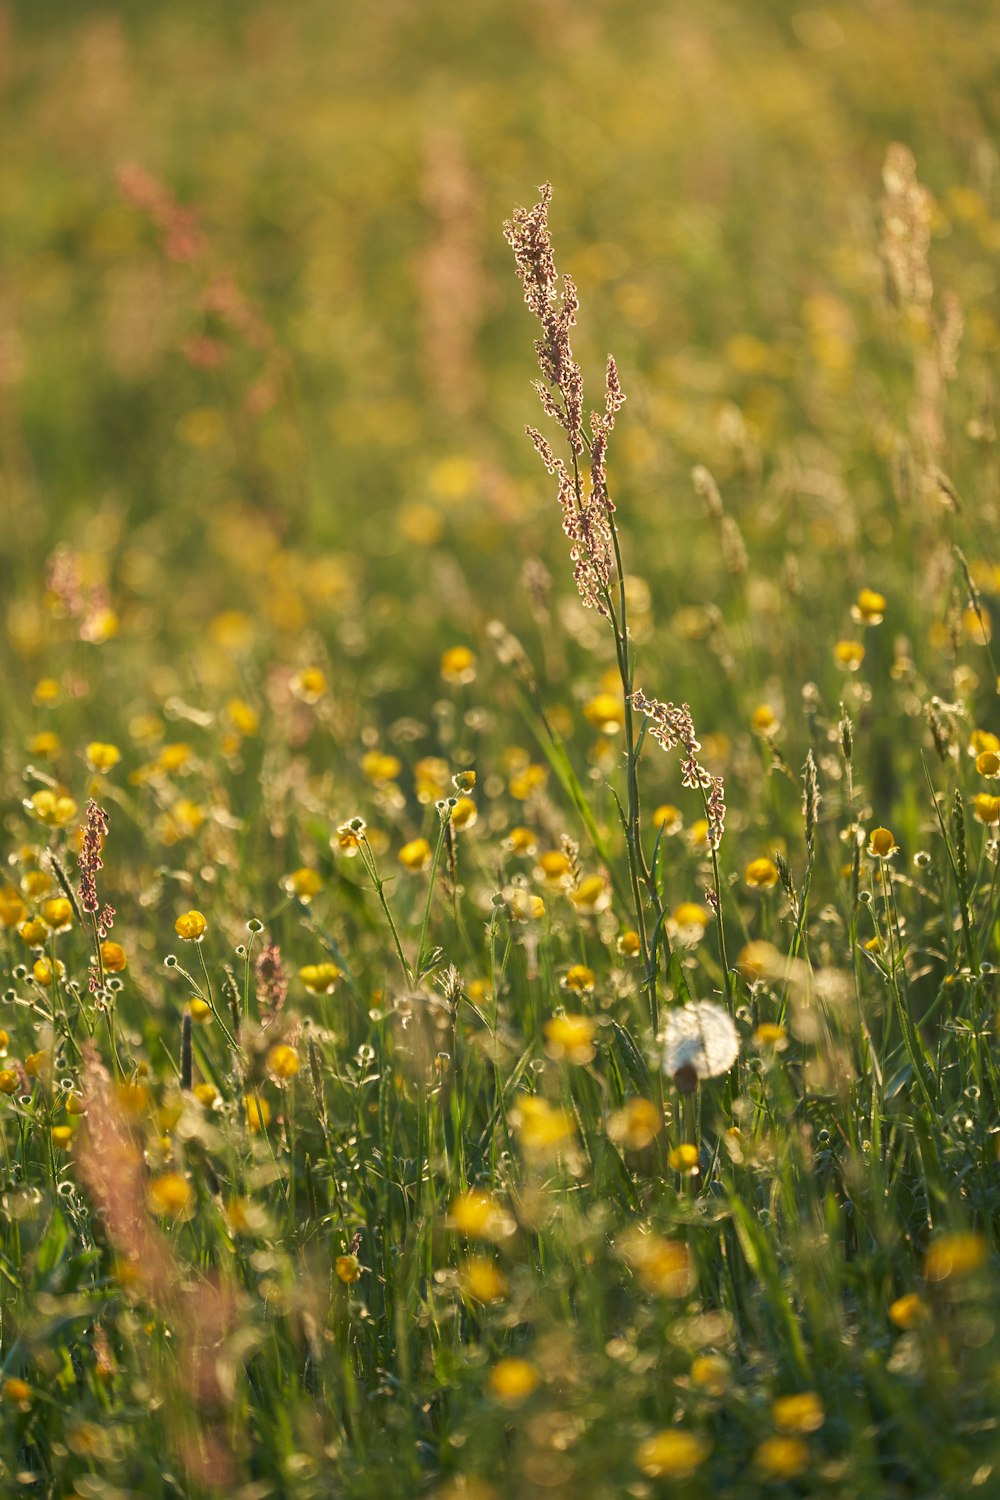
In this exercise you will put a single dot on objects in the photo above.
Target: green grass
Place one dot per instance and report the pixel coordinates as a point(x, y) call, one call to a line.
point(422, 1222)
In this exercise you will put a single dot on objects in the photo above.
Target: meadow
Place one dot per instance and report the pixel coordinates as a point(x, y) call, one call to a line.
point(499, 928)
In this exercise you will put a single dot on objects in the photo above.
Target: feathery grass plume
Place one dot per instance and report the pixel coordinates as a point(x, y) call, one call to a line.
point(906, 233)
point(811, 798)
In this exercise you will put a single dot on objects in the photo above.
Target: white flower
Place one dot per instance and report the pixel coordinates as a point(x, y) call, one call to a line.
point(700, 1041)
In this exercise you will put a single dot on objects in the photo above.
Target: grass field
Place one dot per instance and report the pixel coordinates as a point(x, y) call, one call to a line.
point(413, 1080)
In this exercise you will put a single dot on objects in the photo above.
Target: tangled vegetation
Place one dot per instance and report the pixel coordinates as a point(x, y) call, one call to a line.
point(499, 988)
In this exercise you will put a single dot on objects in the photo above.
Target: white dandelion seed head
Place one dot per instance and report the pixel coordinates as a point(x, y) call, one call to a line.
point(699, 1038)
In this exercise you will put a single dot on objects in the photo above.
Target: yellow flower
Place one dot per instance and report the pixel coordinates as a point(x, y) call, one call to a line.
point(521, 841)
point(698, 833)
point(319, 979)
point(244, 719)
point(636, 1124)
point(12, 908)
point(46, 692)
point(757, 959)
point(570, 1037)
point(540, 1126)
point(579, 978)
point(283, 1061)
point(527, 780)
point(172, 1196)
point(684, 1159)
point(988, 764)
point(591, 896)
point(8, 1081)
point(978, 625)
point(782, 1457)
point(304, 883)
point(52, 808)
point(458, 666)
point(309, 685)
point(479, 1215)
point(711, 1373)
point(606, 712)
point(16, 1390)
point(348, 1269)
point(671, 1454)
point(800, 1413)
point(33, 932)
point(556, 869)
point(4, 1043)
point(206, 1094)
point(512, 1381)
point(464, 814)
point(464, 782)
point(113, 957)
point(102, 757)
point(669, 818)
point(62, 1136)
point(44, 972)
point(416, 855)
point(378, 767)
point(908, 1311)
point(768, 1034)
point(986, 808)
point(983, 739)
point(199, 1010)
point(870, 607)
point(57, 913)
point(881, 844)
point(258, 1112)
point(849, 655)
point(690, 914)
point(35, 884)
point(47, 744)
point(761, 874)
point(191, 926)
point(954, 1255)
point(663, 1266)
point(173, 757)
point(522, 905)
point(764, 720)
point(629, 944)
point(482, 1280)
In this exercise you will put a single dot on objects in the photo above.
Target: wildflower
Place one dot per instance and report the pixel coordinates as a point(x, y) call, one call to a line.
point(671, 1454)
point(591, 896)
point(636, 1125)
point(761, 874)
point(258, 1113)
point(711, 1373)
point(700, 1041)
point(191, 926)
point(9, 1083)
point(983, 739)
point(44, 972)
point(479, 1215)
point(113, 957)
point(46, 692)
point(770, 1035)
point(556, 869)
point(15, 1390)
point(986, 808)
point(579, 978)
point(33, 932)
point(669, 818)
point(416, 855)
point(349, 835)
point(849, 655)
point(781, 1457)
point(319, 979)
point(12, 908)
point(663, 1266)
point(244, 719)
point(4, 1042)
point(171, 1196)
point(47, 744)
point(458, 666)
point(512, 1381)
point(530, 778)
point(348, 1269)
point(464, 814)
point(304, 884)
point(199, 1010)
point(954, 1255)
point(540, 1126)
point(102, 757)
point(629, 944)
point(283, 1061)
point(35, 884)
point(606, 712)
point(57, 913)
point(870, 607)
point(988, 764)
point(684, 1159)
point(174, 757)
point(379, 767)
point(800, 1413)
point(978, 625)
point(309, 685)
point(881, 844)
point(764, 720)
point(206, 1094)
point(908, 1311)
point(52, 808)
point(570, 1037)
point(482, 1280)
point(690, 914)
point(62, 1136)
